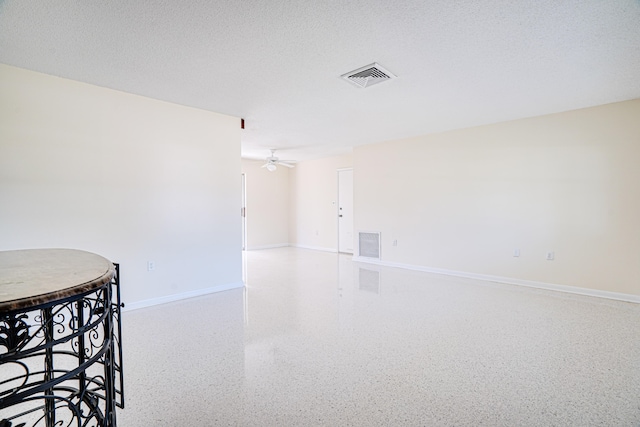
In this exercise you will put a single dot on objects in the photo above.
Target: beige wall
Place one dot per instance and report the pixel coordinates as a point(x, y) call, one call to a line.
point(130, 178)
point(133, 179)
point(267, 205)
point(314, 192)
point(465, 200)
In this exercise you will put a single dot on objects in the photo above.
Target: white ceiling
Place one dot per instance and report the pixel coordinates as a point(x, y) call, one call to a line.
point(277, 63)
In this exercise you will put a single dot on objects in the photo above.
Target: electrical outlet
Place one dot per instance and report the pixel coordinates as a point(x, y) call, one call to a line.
point(550, 256)
point(395, 243)
point(151, 265)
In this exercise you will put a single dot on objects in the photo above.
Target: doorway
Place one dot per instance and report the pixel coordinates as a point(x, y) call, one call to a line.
point(243, 212)
point(345, 210)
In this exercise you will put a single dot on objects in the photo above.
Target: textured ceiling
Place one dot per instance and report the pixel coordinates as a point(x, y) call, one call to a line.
point(278, 63)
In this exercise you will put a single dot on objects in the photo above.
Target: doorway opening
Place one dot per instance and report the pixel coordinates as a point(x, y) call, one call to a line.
point(243, 212)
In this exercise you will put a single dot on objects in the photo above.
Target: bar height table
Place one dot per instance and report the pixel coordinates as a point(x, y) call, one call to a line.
point(60, 348)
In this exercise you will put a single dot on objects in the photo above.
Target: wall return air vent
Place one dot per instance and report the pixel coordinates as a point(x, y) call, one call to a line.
point(368, 75)
point(369, 244)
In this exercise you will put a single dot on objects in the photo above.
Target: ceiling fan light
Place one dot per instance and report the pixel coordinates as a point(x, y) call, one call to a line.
point(271, 167)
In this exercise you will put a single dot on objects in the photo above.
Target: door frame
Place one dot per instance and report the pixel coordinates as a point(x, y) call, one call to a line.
point(243, 210)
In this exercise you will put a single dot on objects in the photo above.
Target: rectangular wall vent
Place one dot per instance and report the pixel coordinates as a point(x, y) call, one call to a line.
point(369, 244)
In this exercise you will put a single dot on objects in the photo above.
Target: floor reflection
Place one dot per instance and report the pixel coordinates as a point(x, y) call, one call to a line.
point(316, 339)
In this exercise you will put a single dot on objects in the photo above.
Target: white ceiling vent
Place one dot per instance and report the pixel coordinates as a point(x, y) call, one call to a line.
point(368, 75)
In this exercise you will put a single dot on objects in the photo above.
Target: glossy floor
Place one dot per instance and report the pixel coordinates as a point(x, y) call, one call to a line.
point(317, 340)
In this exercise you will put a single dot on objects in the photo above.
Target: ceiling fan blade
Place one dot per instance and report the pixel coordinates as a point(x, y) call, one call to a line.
point(265, 165)
point(287, 165)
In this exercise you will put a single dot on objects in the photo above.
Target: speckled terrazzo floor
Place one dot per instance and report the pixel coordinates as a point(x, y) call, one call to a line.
point(317, 340)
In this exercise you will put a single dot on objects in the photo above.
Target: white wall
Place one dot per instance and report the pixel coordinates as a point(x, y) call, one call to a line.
point(464, 200)
point(314, 192)
point(267, 205)
point(130, 178)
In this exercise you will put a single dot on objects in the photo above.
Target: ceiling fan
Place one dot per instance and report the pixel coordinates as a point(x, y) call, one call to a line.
point(272, 161)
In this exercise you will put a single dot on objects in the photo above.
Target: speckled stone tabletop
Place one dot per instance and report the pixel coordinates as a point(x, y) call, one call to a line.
point(32, 277)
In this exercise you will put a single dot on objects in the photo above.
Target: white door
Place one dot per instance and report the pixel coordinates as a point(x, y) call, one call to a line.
point(345, 211)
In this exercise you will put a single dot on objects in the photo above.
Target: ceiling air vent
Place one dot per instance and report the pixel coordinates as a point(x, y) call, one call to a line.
point(368, 75)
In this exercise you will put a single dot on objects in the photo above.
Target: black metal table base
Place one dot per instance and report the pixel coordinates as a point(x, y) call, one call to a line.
point(61, 362)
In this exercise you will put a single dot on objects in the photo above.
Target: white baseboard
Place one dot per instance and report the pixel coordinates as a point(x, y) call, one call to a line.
point(315, 248)
point(177, 297)
point(258, 248)
point(508, 280)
